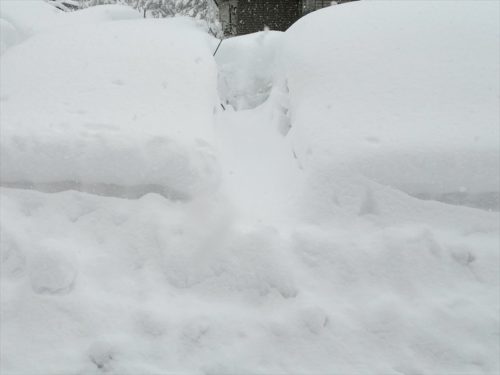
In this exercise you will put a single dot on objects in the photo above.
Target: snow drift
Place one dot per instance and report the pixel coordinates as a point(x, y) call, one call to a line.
point(22, 19)
point(405, 93)
point(247, 67)
point(112, 109)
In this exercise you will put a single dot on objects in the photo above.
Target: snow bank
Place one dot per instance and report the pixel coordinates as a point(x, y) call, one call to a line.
point(22, 19)
point(247, 68)
point(405, 93)
point(102, 13)
point(127, 110)
point(29, 16)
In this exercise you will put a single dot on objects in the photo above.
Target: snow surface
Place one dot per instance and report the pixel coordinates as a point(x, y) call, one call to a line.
point(247, 67)
point(405, 93)
point(146, 231)
point(20, 19)
point(117, 114)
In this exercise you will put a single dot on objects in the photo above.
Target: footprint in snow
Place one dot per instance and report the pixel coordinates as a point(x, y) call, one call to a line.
point(117, 82)
point(52, 272)
point(372, 140)
point(102, 355)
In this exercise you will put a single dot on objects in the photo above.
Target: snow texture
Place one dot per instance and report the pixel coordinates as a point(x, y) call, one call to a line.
point(404, 93)
point(109, 118)
point(247, 67)
point(144, 230)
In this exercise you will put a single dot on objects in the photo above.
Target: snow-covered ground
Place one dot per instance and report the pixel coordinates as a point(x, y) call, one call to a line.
point(144, 230)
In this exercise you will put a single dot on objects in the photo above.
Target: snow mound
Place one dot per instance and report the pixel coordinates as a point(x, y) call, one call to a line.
point(127, 111)
point(22, 19)
point(247, 68)
point(29, 16)
point(405, 93)
point(102, 13)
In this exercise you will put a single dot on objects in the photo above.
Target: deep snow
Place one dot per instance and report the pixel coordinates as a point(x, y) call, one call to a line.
point(22, 19)
point(125, 112)
point(181, 238)
point(405, 93)
point(247, 67)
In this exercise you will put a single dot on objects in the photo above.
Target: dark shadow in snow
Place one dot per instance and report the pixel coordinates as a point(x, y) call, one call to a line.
point(107, 190)
point(489, 201)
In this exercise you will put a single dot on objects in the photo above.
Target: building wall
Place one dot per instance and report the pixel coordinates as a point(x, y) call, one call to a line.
point(255, 15)
point(312, 5)
point(309, 6)
point(249, 16)
point(229, 16)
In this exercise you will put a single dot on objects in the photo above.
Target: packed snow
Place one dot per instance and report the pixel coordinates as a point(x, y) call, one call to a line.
point(146, 230)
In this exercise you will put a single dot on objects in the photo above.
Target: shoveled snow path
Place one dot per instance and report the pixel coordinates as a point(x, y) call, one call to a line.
point(259, 171)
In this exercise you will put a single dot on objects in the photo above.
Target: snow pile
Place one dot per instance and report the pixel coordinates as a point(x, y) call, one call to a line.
point(22, 19)
point(247, 68)
point(125, 111)
point(101, 13)
point(405, 93)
